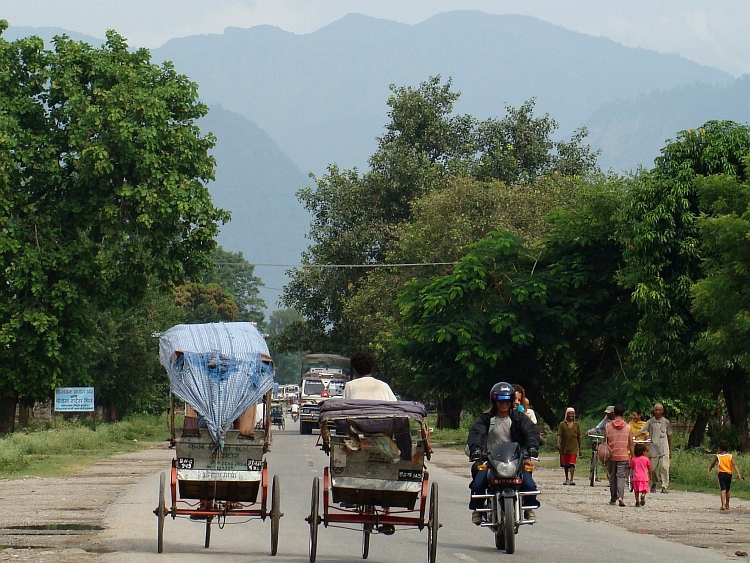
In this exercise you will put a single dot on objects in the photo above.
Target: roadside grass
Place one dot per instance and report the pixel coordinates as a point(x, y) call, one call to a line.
point(71, 445)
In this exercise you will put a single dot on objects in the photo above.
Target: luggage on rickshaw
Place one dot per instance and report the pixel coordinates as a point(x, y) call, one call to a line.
point(222, 371)
point(376, 477)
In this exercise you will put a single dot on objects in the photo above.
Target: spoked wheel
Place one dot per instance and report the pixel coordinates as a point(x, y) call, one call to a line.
point(630, 481)
point(433, 524)
point(275, 514)
point(160, 513)
point(592, 468)
point(283, 424)
point(509, 527)
point(366, 532)
point(208, 532)
point(313, 519)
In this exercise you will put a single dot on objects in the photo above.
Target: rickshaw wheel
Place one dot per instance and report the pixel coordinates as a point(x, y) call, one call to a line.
point(208, 532)
point(433, 525)
point(366, 532)
point(314, 510)
point(160, 514)
point(275, 514)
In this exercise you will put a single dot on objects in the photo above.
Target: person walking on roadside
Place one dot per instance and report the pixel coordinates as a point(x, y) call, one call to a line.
point(660, 450)
point(569, 444)
point(640, 465)
point(619, 438)
point(726, 466)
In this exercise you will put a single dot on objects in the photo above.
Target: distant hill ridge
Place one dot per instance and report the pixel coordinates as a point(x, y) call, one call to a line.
point(322, 96)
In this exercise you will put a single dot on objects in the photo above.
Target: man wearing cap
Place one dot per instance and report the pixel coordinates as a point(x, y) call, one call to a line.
point(569, 444)
point(609, 416)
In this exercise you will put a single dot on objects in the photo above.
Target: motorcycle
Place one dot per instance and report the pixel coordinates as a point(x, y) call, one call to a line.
point(506, 511)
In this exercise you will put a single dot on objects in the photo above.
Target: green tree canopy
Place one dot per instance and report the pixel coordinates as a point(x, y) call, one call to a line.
point(357, 218)
point(236, 275)
point(102, 192)
point(664, 259)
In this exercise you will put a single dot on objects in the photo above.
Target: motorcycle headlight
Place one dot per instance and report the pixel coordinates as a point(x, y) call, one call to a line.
point(506, 469)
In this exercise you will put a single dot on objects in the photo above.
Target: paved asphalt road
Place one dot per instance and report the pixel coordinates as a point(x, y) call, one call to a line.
point(556, 537)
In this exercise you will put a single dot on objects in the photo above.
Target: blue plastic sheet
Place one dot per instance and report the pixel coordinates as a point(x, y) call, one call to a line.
point(216, 368)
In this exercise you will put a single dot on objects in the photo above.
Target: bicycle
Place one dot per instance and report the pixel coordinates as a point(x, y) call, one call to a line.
point(594, 466)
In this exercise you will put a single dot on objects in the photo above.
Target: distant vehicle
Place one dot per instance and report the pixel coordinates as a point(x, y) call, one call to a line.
point(323, 376)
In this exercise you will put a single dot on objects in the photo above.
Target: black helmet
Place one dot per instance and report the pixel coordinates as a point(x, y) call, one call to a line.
point(502, 392)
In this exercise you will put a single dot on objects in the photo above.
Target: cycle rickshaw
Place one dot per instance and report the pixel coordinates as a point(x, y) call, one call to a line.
point(376, 479)
point(277, 416)
point(222, 371)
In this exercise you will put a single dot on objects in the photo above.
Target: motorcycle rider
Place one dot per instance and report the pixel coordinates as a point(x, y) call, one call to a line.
point(500, 425)
point(295, 411)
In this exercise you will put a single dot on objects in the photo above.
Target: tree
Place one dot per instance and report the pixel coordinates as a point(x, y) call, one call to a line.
point(102, 192)
point(721, 299)
point(288, 364)
point(551, 320)
point(663, 261)
point(356, 218)
point(205, 303)
point(122, 356)
point(235, 275)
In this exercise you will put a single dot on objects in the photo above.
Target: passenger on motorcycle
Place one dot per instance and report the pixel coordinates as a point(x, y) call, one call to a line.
point(501, 425)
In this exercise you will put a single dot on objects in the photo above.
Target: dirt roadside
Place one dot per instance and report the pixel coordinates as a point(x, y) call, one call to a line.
point(59, 520)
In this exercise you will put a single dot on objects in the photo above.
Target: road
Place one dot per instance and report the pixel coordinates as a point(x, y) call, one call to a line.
point(558, 536)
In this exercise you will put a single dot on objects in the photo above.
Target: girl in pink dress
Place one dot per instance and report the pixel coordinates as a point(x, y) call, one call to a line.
point(640, 465)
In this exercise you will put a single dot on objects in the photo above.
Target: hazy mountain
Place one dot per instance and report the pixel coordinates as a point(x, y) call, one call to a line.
point(256, 181)
point(632, 133)
point(322, 96)
point(47, 33)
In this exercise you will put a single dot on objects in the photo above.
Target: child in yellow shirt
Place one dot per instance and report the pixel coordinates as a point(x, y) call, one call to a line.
point(726, 467)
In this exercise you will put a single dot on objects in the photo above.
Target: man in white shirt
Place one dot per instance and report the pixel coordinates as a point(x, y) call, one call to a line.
point(366, 386)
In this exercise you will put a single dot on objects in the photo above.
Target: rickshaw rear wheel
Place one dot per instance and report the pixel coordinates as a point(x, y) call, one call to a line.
point(160, 514)
point(275, 514)
point(314, 511)
point(366, 532)
point(207, 542)
point(433, 524)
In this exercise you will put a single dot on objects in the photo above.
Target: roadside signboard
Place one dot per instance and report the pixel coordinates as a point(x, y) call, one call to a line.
point(74, 399)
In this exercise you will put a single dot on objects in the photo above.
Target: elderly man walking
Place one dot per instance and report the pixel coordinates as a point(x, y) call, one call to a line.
point(660, 450)
point(569, 444)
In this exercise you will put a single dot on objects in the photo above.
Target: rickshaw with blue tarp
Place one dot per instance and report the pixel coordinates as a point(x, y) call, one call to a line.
point(376, 477)
point(225, 375)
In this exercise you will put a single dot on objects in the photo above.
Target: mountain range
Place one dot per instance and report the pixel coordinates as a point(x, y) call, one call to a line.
point(284, 104)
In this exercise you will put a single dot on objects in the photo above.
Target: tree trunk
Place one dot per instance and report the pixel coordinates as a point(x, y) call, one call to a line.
point(23, 416)
point(698, 433)
point(449, 412)
point(8, 414)
point(541, 408)
point(734, 395)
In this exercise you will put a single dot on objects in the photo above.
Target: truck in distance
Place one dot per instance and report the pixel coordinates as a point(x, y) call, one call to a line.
point(323, 376)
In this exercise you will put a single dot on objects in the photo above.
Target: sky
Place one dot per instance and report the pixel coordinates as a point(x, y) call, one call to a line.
point(710, 32)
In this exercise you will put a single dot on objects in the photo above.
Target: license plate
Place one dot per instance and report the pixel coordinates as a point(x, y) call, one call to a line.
point(254, 464)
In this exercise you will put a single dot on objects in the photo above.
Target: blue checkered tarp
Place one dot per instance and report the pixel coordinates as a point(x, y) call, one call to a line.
point(217, 369)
